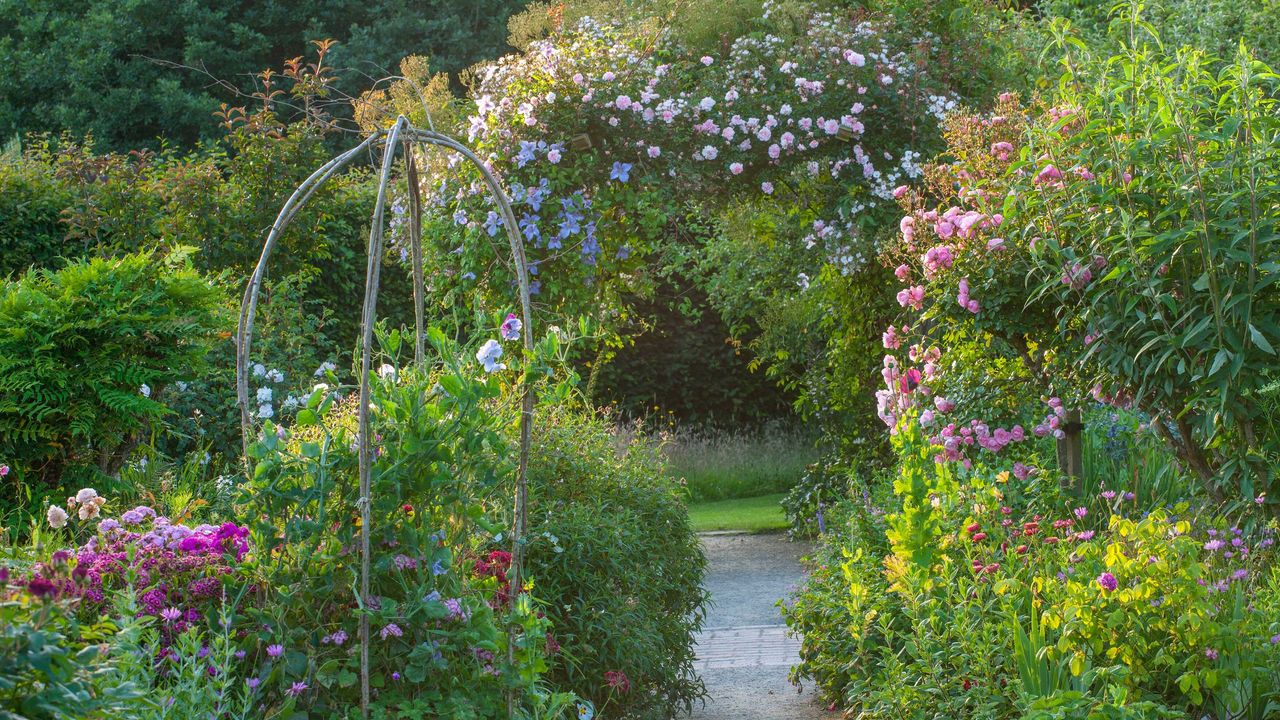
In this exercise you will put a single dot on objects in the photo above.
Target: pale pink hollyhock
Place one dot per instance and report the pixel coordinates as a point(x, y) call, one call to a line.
point(902, 271)
point(995, 244)
point(899, 191)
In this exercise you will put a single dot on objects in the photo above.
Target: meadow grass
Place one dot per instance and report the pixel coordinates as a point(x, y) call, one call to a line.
point(719, 465)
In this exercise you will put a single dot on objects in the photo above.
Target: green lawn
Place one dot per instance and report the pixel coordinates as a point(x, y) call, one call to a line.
point(756, 514)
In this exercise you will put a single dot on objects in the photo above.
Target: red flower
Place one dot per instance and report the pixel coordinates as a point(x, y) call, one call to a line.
point(617, 680)
point(967, 684)
point(1051, 540)
point(979, 537)
point(407, 508)
point(973, 528)
point(1030, 528)
point(1021, 550)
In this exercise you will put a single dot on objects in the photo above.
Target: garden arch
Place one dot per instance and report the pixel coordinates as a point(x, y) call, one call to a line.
point(402, 137)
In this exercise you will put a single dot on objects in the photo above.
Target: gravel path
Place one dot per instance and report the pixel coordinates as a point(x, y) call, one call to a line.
point(744, 653)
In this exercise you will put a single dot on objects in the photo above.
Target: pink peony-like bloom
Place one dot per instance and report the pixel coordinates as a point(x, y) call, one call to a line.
point(736, 168)
point(912, 297)
point(902, 271)
point(899, 191)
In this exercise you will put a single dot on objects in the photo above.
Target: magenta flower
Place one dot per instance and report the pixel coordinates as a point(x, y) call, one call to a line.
point(1107, 582)
point(1080, 512)
point(510, 329)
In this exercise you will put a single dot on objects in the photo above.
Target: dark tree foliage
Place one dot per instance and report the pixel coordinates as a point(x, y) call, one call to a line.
point(686, 364)
point(109, 68)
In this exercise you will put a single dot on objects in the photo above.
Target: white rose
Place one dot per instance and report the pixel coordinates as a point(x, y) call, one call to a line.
point(57, 517)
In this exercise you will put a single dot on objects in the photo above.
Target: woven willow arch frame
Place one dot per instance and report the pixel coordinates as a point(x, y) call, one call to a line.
point(402, 136)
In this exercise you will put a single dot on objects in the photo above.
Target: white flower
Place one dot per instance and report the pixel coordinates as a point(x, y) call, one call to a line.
point(86, 495)
point(275, 376)
point(182, 386)
point(259, 370)
point(266, 412)
point(264, 395)
point(326, 367)
point(57, 517)
point(710, 152)
point(89, 511)
point(387, 372)
point(145, 390)
point(488, 355)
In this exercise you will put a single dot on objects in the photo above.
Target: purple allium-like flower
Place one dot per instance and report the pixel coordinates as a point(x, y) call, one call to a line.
point(275, 651)
point(252, 683)
point(391, 630)
point(1129, 496)
point(297, 688)
point(1240, 574)
point(1107, 582)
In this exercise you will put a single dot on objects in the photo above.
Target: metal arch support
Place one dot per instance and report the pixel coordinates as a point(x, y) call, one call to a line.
point(403, 135)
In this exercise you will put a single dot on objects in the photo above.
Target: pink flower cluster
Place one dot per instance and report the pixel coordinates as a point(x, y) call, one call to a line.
point(176, 570)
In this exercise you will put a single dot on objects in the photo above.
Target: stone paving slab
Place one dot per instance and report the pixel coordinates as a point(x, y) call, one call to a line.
point(751, 646)
point(745, 654)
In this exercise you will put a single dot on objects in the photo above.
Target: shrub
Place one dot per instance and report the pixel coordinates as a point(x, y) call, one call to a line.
point(84, 353)
point(1065, 240)
point(619, 567)
point(47, 669)
point(998, 597)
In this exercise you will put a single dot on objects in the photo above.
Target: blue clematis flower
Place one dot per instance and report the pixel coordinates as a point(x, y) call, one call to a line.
point(621, 171)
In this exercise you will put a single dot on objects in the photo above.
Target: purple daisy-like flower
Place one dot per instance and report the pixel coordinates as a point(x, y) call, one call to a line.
point(275, 651)
point(1108, 582)
point(252, 683)
point(391, 630)
point(171, 614)
point(297, 688)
